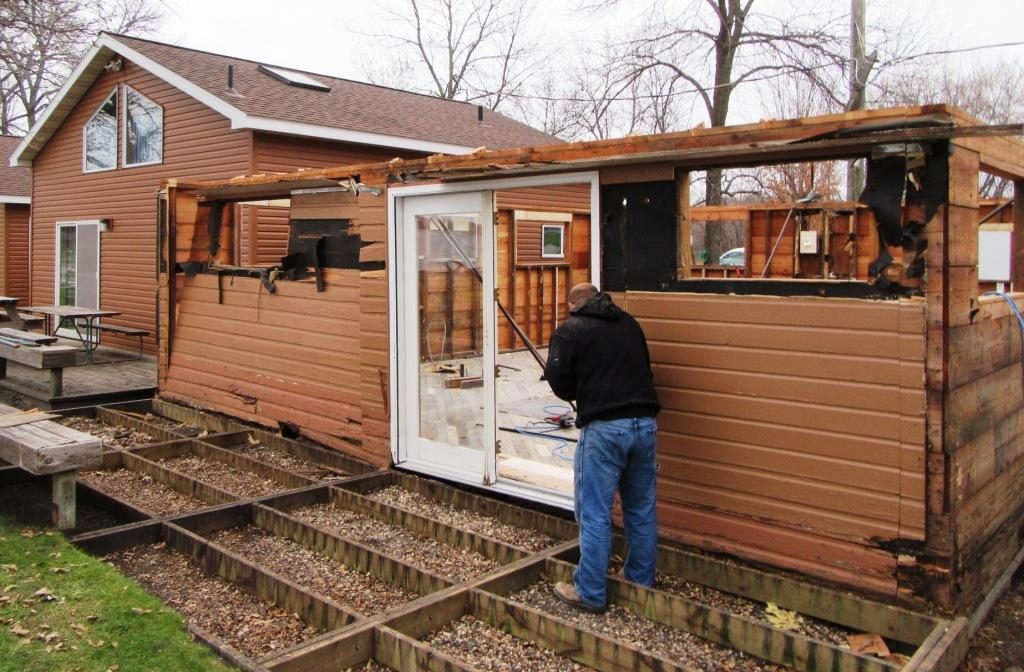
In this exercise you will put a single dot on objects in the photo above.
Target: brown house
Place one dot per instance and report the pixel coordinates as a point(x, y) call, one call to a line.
point(136, 112)
point(15, 192)
point(863, 432)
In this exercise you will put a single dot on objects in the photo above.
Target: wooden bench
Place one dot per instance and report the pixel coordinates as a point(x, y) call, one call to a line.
point(11, 317)
point(124, 331)
point(39, 356)
point(31, 441)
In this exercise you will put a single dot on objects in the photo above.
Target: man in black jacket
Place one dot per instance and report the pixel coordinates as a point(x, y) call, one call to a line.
point(598, 358)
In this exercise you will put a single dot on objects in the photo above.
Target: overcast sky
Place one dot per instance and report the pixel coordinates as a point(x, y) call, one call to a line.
point(330, 36)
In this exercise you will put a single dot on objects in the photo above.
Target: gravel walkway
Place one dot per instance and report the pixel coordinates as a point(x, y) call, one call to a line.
point(486, 648)
point(224, 476)
point(530, 540)
point(236, 617)
point(456, 564)
point(364, 593)
point(141, 491)
point(617, 623)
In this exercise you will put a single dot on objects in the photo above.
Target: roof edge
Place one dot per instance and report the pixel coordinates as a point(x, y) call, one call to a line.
point(15, 200)
point(333, 133)
point(106, 44)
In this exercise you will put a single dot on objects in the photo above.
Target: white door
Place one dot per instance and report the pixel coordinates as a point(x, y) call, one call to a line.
point(78, 266)
point(446, 335)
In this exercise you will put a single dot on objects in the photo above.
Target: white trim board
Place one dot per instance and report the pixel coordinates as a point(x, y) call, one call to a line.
point(16, 200)
point(106, 46)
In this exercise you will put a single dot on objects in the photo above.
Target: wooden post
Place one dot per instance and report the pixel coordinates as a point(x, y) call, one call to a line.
point(1017, 260)
point(63, 513)
point(56, 382)
point(684, 259)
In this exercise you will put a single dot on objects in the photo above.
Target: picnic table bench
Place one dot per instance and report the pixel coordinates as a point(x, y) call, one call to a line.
point(11, 317)
point(34, 350)
point(32, 441)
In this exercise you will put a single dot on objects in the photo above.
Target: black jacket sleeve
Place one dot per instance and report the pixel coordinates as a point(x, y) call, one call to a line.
point(560, 368)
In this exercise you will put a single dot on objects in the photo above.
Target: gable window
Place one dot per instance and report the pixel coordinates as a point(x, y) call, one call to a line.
point(143, 129)
point(101, 136)
point(552, 241)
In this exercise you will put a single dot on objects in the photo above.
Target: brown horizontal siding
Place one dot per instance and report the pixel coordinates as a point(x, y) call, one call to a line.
point(272, 231)
point(198, 143)
point(551, 198)
point(283, 154)
point(291, 356)
point(14, 259)
point(795, 417)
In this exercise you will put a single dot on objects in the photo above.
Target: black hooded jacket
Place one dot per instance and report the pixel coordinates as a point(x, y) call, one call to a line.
point(599, 359)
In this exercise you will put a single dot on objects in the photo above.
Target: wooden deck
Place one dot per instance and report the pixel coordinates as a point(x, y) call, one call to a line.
point(111, 379)
point(523, 402)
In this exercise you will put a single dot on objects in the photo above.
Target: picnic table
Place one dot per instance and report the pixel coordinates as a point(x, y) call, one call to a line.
point(82, 321)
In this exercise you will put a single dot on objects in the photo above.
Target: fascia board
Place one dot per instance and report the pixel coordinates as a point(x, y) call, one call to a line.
point(346, 135)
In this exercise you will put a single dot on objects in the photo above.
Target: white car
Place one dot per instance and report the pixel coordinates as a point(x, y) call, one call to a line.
point(737, 256)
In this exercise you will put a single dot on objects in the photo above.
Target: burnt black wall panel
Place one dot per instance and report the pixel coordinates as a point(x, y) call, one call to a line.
point(638, 236)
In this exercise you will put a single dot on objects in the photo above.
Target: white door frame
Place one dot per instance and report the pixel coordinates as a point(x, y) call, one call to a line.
point(56, 264)
point(395, 279)
point(470, 464)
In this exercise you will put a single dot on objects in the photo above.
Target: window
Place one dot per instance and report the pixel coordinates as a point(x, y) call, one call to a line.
point(552, 241)
point(294, 78)
point(100, 139)
point(143, 130)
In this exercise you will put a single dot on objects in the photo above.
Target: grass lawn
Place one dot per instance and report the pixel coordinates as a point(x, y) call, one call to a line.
point(62, 610)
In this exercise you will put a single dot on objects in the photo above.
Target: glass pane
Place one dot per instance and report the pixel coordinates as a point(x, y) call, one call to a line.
point(101, 136)
point(553, 241)
point(67, 271)
point(144, 127)
point(451, 328)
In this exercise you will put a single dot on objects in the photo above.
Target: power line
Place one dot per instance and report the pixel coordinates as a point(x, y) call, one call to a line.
point(776, 75)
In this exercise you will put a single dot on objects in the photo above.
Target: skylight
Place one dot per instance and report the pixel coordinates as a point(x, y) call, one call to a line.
point(294, 78)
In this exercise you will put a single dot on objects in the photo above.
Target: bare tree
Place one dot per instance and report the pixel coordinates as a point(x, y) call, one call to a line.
point(712, 47)
point(472, 50)
point(993, 93)
point(41, 41)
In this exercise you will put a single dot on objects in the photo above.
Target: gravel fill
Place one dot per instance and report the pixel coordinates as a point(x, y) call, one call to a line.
point(236, 617)
point(285, 460)
point(530, 540)
point(170, 425)
point(752, 609)
point(473, 641)
point(364, 593)
point(456, 564)
point(114, 436)
point(617, 623)
point(223, 476)
point(369, 666)
point(141, 491)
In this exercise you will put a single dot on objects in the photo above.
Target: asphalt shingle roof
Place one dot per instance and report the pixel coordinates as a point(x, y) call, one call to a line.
point(349, 105)
point(13, 181)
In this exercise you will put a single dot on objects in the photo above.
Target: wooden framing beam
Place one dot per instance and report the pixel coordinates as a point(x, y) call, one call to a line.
point(1017, 256)
point(684, 251)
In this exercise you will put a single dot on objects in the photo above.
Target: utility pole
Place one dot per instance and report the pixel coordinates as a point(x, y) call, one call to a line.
point(860, 66)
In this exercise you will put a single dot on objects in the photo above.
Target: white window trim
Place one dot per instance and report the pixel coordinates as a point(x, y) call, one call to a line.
point(561, 241)
point(124, 130)
point(85, 163)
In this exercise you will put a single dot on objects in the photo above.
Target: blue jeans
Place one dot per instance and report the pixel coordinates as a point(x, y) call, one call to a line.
point(615, 455)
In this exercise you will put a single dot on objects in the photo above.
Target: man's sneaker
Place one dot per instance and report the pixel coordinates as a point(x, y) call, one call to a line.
point(566, 592)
